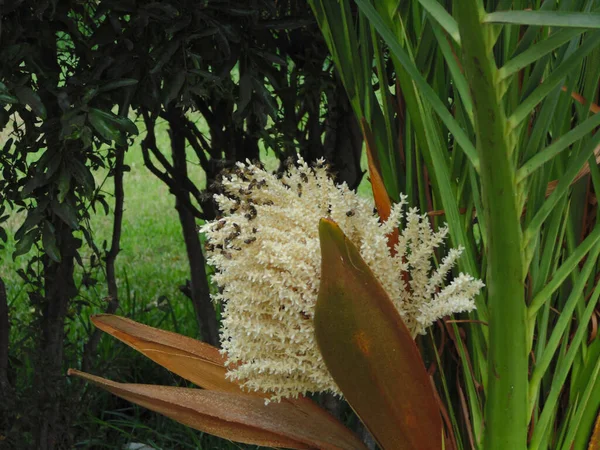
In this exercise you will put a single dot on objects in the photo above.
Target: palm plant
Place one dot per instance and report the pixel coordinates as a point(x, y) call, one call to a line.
point(483, 113)
point(490, 115)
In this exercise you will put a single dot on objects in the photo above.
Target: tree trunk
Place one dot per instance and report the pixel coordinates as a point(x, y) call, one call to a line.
point(199, 289)
point(59, 289)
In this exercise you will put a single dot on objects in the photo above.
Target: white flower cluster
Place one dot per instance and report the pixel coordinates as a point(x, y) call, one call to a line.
point(267, 257)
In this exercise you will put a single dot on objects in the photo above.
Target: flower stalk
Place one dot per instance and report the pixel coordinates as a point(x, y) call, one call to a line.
point(506, 415)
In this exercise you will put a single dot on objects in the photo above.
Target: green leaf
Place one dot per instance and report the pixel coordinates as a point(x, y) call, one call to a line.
point(64, 184)
point(84, 177)
point(34, 216)
point(554, 79)
point(560, 275)
point(116, 84)
point(587, 381)
point(30, 98)
point(49, 242)
point(561, 144)
point(562, 369)
point(426, 90)
point(245, 93)
point(536, 51)
point(6, 96)
point(109, 125)
point(66, 212)
point(442, 17)
point(106, 129)
point(25, 243)
point(576, 162)
point(545, 18)
point(172, 87)
point(369, 351)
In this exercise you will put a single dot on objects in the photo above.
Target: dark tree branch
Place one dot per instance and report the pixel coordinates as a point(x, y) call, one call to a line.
point(199, 289)
point(170, 177)
point(111, 257)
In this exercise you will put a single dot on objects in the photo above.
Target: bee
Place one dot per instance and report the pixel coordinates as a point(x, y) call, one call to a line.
point(254, 230)
point(304, 315)
point(209, 247)
point(304, 177)
point(250, 240)
point(237, 228)
point(220, 225)
point(299, 190)
point(268, 203)
point(231, 237)
point(261, 183)
point(285, 184)
point(252, 184)
point(243, 191)
point(350, 213)
point(251, 213)
point(235, 207)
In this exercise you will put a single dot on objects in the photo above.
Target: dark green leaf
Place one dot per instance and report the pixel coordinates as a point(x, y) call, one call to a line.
point(25, 243)
point(67, 213)
point(34, 216)
point(545, 18)
point(89, 94)
point(49, 242)
point(167, 52)
point(116, 84)
point(245, 93)
point(84, 177)
point(6, 96)
point(110, 126)
point(30, 98)
point(173, 87)
point(106, 129)
point(64, 184)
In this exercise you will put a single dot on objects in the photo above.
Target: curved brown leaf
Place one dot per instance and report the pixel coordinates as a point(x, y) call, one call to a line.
point(239, 417)
point(369, 351)
point(196, 361)
point(202, 364)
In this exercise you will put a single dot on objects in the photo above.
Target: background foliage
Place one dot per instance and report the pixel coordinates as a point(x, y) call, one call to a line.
point(114, 112)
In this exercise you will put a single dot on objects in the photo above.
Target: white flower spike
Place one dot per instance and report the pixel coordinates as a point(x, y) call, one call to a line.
point(267, 257)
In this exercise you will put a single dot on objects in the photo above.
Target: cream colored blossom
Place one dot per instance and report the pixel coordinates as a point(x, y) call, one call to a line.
point(267, 258)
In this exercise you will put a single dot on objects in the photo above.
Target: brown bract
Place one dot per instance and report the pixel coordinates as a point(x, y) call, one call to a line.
point(222, 409)
point(369, 351)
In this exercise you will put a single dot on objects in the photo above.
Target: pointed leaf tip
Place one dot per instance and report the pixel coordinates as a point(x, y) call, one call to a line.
point(196, 361)
point(369, 351)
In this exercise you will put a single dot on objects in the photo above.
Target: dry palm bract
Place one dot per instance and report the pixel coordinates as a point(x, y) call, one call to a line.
point(267, 255)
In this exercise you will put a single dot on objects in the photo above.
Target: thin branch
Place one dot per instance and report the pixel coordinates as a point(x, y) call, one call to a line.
point(111, 256)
